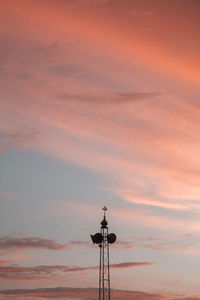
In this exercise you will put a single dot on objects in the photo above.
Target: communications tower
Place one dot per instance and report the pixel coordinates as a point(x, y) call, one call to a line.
point(103, 239)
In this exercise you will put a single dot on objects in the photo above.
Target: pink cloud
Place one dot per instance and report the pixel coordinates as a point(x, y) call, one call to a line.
point(130, 265)
point(181, 243)
point(86, 146)
point(135, 145)
point(15, 243)
point(99, 101)
point(20, 243)
point(3, 262)
point(123, 245)
point(87, 294)
point(51, 272)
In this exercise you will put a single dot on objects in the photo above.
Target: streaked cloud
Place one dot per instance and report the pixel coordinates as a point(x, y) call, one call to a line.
point(17, 138)
point(68, 71)
point(87, 294)
point(17, 243)
point(49, 272)
point(3, 261)
point(182, 243)
point(20, 243)
point(123, 245)
point(111, 97)
point(130, 265)
point(124, 57)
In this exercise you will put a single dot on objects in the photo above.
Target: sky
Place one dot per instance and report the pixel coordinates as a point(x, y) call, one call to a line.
point(99, 106)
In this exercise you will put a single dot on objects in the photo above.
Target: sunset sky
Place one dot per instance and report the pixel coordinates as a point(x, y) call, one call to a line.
point(99, 106)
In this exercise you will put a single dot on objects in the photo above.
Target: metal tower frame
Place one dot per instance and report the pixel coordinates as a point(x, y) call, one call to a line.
point(104, 264)
point(103, 239)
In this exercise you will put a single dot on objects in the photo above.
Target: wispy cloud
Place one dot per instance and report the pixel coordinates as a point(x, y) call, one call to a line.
point(19, 243)
point(110, 97)
point(50, 272)
point(123, 244)
point(13, 243)
point(122, 142)
point(87, 294)
point(3, 262)
point(17, 138)
point(125, 265)
point(143, 142)
point(72, 71)
point(182, 243)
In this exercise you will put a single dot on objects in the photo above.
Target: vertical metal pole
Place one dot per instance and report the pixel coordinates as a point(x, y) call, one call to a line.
point(108, 272)
point(100, 247)
point(103, 263)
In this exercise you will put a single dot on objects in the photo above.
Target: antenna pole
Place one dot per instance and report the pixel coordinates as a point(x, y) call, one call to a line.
point(104, 254)
point(100, 247)
point(103, 239)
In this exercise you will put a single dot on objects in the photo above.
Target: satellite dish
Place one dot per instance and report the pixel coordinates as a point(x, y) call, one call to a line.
point(111, 238)
point(97, 238)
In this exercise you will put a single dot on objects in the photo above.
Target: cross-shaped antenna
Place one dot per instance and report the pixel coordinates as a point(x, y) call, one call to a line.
point(104, 209)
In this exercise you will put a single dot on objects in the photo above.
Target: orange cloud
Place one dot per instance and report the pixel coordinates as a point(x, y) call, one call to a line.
point(146, 149)
point(130, 265)
point(3, 262)
point(127, 43)
point(114, 89)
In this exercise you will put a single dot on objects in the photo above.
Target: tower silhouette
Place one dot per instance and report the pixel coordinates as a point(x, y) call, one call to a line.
point(103, 239)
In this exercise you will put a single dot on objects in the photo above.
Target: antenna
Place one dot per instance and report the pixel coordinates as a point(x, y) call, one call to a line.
point(103, 239)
